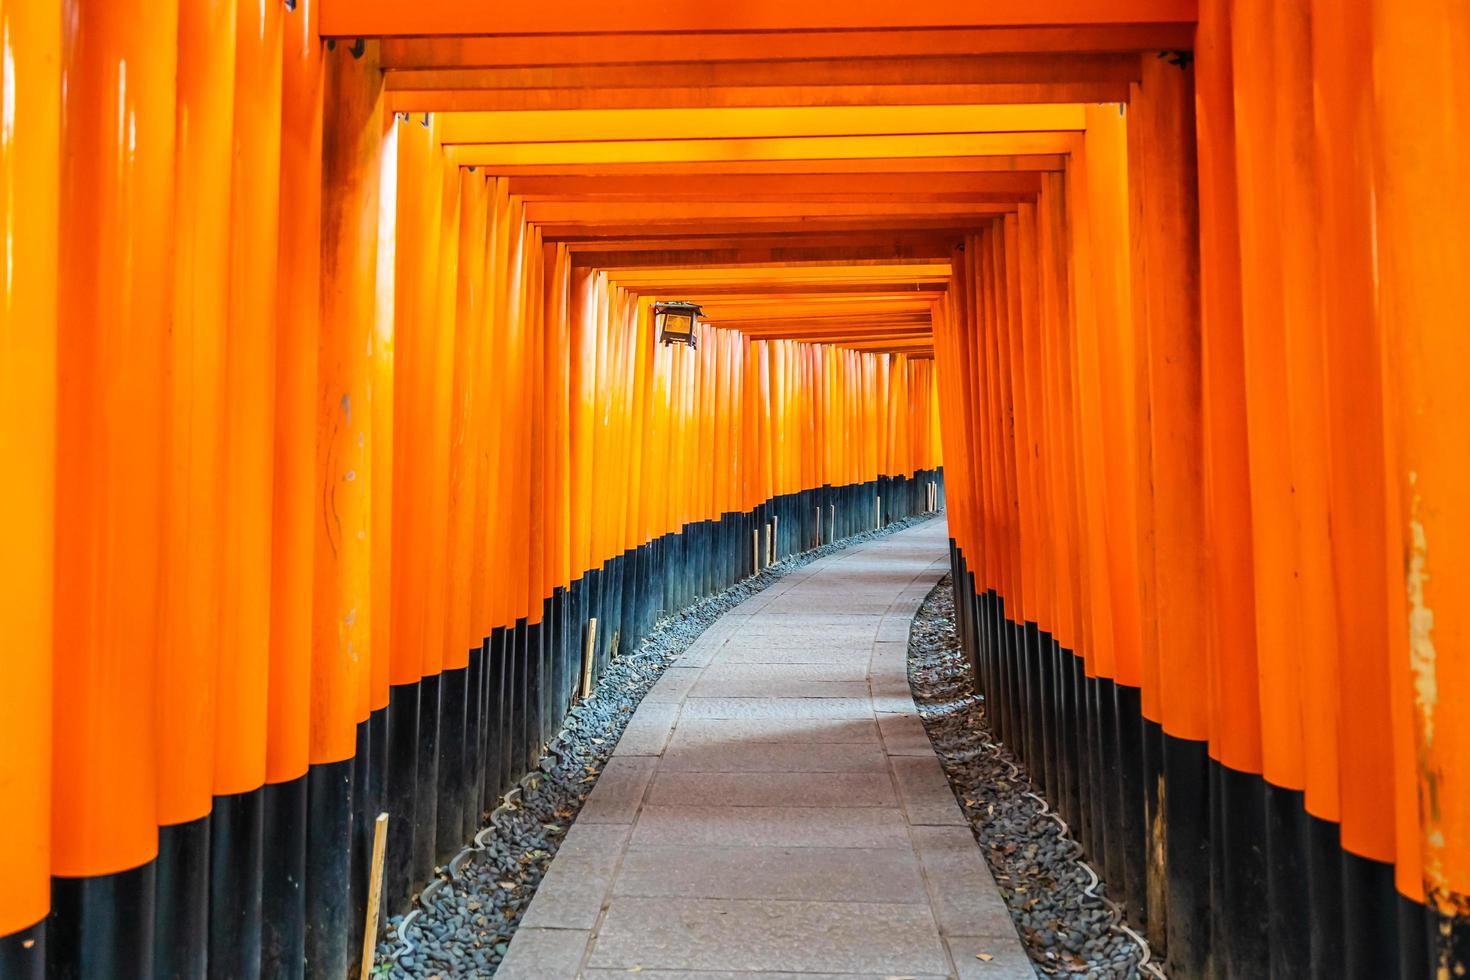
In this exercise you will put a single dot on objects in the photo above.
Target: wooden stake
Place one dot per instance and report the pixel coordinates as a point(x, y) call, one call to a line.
point(587, 657)
point(755, 549)
point(771, 542)
point(832, 528)
point(878, 503)
point(375, 894)
point(775, 526)
point(819, 527)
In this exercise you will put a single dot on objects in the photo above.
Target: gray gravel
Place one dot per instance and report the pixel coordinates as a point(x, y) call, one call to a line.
point(463, 922)
point(1060, 908)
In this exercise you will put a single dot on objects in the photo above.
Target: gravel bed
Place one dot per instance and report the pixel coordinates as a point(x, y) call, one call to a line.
point(1069, 928)
point(463, 921)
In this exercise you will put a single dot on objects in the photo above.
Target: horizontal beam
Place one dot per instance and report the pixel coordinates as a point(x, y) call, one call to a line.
point(510, 50)
point(843, 247)
point(727, 230)
point(442, 94)
point(809, 274)
point(755, 187)
point(731, 232)
point(384, 18)
point(587, 125)
point(495, 155)
point(653, 212)
point(967, 69)
point(1011, 163)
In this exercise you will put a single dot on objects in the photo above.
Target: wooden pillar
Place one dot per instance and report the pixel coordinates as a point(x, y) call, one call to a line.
point(115, 293)
point(1240, 919)
point(298, 320)
point(1166, 291)
point(1421, 161)
point(30, 32)
point(352, 158)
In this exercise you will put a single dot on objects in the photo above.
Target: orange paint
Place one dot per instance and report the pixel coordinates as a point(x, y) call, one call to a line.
point(193, 561)
point(30, 39)
point(116, 201)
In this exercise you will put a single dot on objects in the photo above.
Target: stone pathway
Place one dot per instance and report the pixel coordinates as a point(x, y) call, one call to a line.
point(775, 810)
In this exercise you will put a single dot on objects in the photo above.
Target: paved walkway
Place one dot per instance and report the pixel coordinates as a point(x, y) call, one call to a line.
point(775, 810)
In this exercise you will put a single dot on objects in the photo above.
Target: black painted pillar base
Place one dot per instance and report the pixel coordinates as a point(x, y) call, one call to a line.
point(450, 785)
point(283, 915)
point(1286, 883)
point(328, 869)
point(402, 792)
point(102, 926)
point(181, 903)
point(23, 953)
point(426, 801)
point(236, 855)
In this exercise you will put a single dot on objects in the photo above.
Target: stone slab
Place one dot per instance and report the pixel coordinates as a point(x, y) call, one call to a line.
point(619, 790)
point(544, 954)
point(742, 731)
point(771, 789)
point(771, 826)
point(673, 686)
point(796, 873)
point(572, 893)
point(711, 934)
point(927, 798)
point(903, 734)
point(1008, 959)
point(774, 757)
point(777, 687)
point(963, 892)
point(769, 707)
point(648, 730)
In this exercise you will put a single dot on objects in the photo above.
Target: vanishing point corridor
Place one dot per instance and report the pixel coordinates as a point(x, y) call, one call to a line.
point(762, 490)
point(776, 805)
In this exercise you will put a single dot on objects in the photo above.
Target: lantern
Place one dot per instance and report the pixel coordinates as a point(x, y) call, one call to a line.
point(675, 322)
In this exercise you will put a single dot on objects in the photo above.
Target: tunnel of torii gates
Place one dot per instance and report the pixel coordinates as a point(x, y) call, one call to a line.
point(333, 414)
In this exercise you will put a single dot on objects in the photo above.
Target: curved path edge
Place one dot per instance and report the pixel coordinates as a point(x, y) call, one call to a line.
point(774, 809)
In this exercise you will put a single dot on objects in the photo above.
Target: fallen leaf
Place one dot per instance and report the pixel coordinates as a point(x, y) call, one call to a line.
point(635, 969)
point(984, 956)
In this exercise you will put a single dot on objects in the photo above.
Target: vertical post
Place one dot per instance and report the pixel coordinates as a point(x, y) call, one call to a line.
point(588, 652)
point(1421, 161)
point(115, 297)
point(352, 157)
point(1240, 916)
point(298, 317)
point(30, 33)
point(375, 895)
point(1163, 187)
point(243, 642)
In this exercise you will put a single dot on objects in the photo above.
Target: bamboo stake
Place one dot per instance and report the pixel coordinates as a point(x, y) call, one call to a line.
point(587, 656)
point(878, 513)
point(775, 529)
point(755, 550)
point(375, 894)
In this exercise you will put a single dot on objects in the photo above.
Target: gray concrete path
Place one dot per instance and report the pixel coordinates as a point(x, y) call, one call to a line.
point(775, 809)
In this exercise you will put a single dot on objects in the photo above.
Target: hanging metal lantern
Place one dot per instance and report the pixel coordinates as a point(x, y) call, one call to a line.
point(675, 322)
